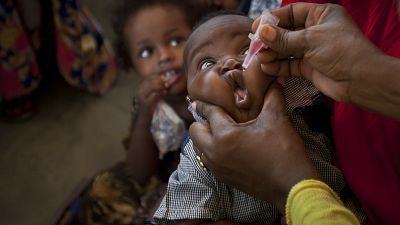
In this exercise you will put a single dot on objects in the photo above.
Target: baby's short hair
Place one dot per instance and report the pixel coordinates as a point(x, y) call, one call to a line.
point(203, 20)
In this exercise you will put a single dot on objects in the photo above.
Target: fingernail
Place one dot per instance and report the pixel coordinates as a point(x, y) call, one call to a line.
point(268, 33)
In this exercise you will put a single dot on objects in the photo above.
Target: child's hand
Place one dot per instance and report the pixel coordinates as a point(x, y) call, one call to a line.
point(151, 89)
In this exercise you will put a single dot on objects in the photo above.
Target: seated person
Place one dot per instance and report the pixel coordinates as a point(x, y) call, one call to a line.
point(213, 60)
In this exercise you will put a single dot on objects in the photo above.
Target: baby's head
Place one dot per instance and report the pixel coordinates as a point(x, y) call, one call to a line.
point(151, 35)
point(213, 58)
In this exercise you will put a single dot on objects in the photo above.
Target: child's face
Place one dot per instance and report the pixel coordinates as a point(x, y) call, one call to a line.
point(156, 37)
point(214, 54)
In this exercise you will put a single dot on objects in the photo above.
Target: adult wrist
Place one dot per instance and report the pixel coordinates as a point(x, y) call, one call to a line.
point(376, 85)
point(302, 174)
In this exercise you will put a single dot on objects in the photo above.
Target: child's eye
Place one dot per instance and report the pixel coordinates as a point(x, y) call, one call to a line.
point(145, 52)
point(245, 51)
point(205, 64)
point(175, 42)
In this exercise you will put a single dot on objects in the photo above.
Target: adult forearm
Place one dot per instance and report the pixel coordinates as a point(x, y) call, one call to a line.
point(377, 85)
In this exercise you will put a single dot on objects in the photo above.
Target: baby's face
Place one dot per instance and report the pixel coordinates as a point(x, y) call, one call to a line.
point(156, 36)
point(214, 56)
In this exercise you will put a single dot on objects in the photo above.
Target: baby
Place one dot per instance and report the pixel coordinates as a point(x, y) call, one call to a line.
point(213, 60)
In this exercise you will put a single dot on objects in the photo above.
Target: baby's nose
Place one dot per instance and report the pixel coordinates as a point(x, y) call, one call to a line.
point(231, 64)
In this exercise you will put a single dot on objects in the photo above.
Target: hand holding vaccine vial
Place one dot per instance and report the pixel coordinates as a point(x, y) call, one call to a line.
point(256, 44)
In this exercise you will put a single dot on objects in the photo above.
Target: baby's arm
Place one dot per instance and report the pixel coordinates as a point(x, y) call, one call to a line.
point(205, 222)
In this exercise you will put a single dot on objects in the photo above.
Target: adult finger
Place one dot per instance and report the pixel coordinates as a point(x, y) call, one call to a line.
point(267, 55)
point(216, 116)
point(299, 15)
point(203, 156)
point(284, 68)
point(201, 136)
point(285, 42)
point(274, 105)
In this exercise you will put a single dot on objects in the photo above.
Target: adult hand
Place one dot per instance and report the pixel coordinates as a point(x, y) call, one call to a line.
point(325, 46)
point(264, 157)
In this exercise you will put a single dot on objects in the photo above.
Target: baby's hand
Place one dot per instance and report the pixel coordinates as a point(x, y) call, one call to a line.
point(151, 89)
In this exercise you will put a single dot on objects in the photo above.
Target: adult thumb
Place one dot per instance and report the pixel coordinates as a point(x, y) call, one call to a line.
point(274, 105)
point(285, 42)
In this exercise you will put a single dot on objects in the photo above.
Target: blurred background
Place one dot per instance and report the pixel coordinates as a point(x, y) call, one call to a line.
point(72, 135)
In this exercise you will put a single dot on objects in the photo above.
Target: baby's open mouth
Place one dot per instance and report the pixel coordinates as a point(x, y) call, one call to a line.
point(236, 81)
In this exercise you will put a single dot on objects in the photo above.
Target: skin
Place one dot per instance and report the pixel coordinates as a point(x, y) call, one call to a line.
point(154, 54)
point(215, 51)
point(323, 34)
point(215, 54)
point(156, 51)
point(269, 173)
point(265, 171)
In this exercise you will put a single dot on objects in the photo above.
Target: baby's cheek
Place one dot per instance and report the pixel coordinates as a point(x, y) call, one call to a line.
point(209, 88)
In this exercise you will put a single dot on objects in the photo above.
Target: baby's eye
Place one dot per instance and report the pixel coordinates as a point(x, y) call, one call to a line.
point(145, 52)
point(205, 64)
point(175, 41)
point(245, 51)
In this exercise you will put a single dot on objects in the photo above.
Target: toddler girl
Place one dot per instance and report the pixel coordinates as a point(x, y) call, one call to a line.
point(151, 35)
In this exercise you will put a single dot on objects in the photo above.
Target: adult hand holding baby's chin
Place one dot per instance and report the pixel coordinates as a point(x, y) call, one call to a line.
point(264, 157)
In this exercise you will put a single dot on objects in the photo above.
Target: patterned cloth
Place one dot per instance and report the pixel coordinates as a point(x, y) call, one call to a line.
point(193, 193)
point(113, 197)
point(84, 56)
point(19, 69)
point(258, 6)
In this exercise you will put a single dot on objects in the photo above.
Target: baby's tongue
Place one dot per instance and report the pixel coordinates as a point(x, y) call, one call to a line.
point(242, 98)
